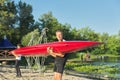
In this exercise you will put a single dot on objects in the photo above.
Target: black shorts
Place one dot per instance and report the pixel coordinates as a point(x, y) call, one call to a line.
point(59, 64)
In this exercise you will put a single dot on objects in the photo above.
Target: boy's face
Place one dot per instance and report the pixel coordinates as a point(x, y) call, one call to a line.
point(59, 36)
point(18, 46)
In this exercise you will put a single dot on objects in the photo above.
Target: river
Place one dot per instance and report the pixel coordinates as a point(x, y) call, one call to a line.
point(109, 61)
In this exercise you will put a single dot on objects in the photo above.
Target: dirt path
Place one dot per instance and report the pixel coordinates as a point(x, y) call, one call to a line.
point(9, 74)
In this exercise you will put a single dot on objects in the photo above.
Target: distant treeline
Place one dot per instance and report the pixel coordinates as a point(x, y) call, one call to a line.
point(17, 20)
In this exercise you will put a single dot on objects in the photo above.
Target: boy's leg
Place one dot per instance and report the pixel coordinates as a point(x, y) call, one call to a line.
point(57, 76)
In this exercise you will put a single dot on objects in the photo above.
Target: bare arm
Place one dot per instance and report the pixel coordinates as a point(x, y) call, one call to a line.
point(14, 54)
point(50, 51)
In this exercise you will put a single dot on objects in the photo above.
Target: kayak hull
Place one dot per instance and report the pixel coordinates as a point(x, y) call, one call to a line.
point(58, 47)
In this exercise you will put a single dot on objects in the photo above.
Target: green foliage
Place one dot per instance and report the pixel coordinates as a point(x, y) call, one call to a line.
point(16, 20)
point(7, 18)
point(25, 19)
point(48, 21)
point(32, 36)
point(17, 23)
point(93, 69)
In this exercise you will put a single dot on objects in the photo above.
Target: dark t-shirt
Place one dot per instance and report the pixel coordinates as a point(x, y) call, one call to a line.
point(60, 63)
point(61, 59)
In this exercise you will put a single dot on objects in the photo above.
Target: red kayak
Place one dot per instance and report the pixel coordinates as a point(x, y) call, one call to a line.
point(58, 47)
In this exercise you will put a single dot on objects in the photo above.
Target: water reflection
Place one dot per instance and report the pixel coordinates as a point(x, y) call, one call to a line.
point(109, 61)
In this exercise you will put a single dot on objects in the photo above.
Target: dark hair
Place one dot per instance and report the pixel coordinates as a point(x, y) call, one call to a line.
point(20, 45)
point(59, 31)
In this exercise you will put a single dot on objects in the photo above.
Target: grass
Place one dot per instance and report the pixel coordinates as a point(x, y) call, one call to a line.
point(77, 65)
point(93, 69)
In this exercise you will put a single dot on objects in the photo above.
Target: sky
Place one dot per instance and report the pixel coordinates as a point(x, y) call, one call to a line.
point(100, 15)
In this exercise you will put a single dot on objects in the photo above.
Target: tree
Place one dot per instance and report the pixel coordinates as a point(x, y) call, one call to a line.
point(104, 38)
point(7, 18)
point(16, 20)
point(47, 20)
point(118, 42)
point(31, 36)
point(25, 19)
point(112, 44)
